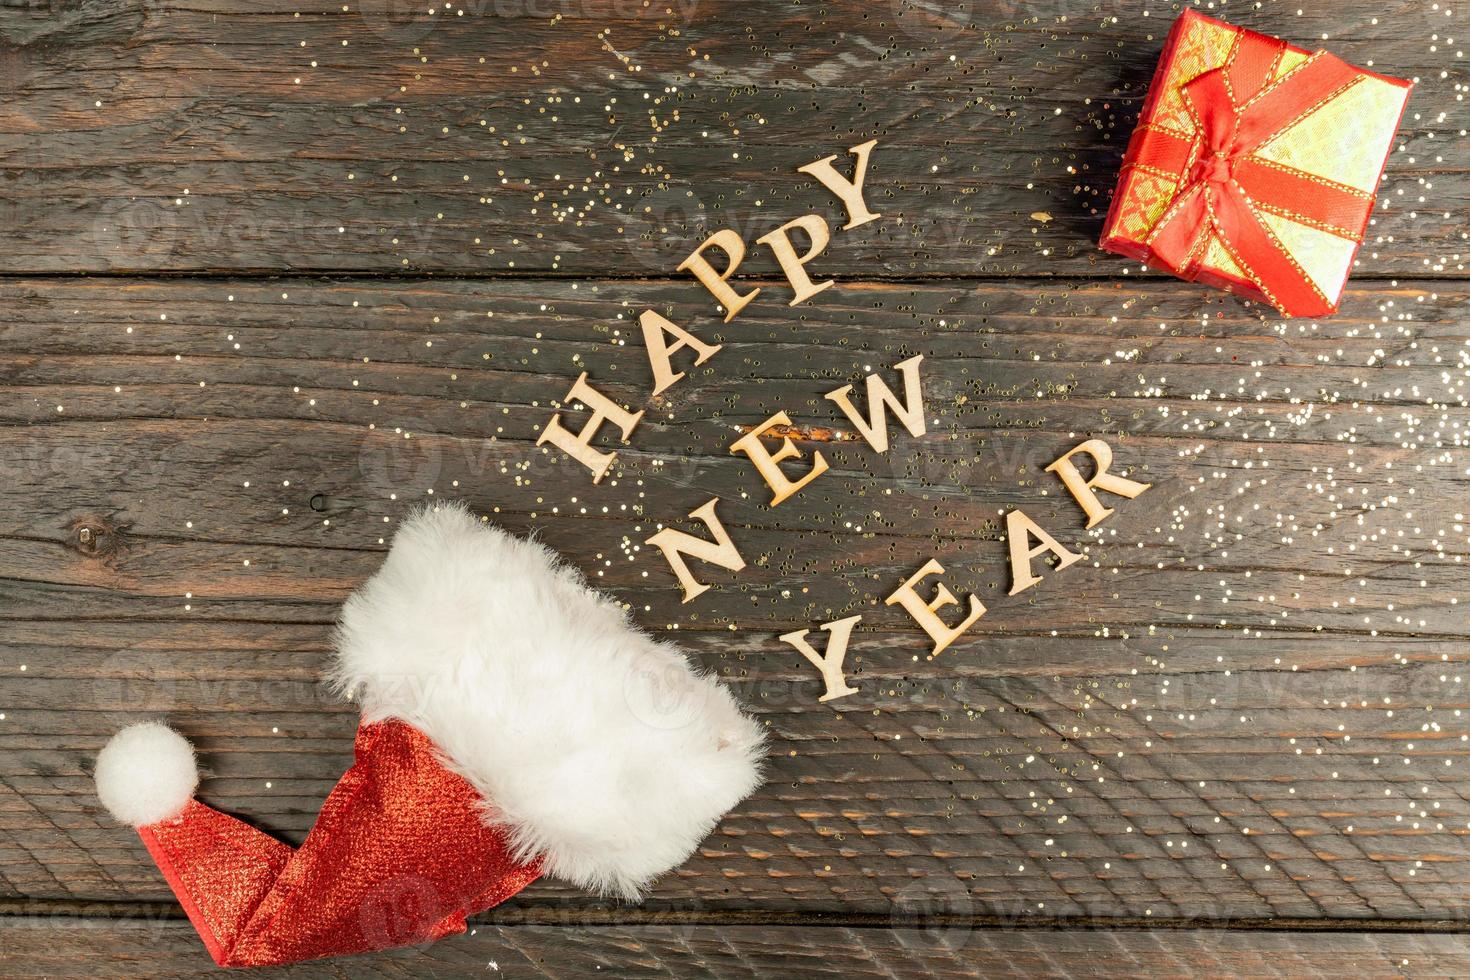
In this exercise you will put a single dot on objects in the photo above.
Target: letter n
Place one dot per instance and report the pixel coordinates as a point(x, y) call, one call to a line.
point(676, 545)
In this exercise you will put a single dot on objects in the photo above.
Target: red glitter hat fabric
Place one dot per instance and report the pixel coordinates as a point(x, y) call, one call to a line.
point(399, 855)
point(514, 722)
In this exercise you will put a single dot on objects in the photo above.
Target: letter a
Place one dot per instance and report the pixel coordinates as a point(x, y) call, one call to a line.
point(660, 352)
point(1020, 529)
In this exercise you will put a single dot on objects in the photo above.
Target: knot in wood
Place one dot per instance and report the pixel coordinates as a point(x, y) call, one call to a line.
point(95, 538)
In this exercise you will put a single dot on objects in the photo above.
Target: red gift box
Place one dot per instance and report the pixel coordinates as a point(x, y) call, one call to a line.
point(1254, 166)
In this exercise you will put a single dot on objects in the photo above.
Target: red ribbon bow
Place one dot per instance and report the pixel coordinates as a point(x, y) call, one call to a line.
point(1224, 188)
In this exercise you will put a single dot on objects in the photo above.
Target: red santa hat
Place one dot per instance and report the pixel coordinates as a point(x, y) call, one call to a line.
point(514, 723)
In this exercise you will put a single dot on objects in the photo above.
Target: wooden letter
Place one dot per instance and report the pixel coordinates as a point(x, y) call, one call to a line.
point(730, 243)
point(925, 613)
point(880, 399)
point(849, 192)
point(765, 461)
point(829, 663)
point(654, 328)
point(1082, 490)
point(779, 242)
point(676, 544)
point(1020, 529)
point(579, 446)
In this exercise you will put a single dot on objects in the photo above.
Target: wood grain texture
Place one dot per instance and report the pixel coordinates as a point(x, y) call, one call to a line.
point(606, 137)
point(42, 947)
point(1246, 706)
point(1245, 703)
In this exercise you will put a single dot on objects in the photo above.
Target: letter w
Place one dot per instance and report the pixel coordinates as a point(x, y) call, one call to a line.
point(881, 398)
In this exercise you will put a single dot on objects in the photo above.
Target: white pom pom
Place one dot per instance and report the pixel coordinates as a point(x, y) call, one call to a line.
point(146, 773)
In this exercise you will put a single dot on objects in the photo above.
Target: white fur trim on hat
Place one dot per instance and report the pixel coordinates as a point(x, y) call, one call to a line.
point(146, 773)
point(600, 748)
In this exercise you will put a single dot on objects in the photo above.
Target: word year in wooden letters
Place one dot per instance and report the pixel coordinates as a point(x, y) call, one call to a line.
point(1021, 531)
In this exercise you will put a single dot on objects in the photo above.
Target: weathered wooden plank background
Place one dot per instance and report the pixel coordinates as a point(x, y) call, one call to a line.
point(1246, 706)
point(604, 136)
point(168, 949)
